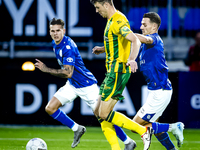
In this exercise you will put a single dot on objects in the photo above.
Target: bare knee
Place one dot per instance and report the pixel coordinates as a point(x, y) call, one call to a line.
point(103, 115)
point(53, 106)
point(50, 110)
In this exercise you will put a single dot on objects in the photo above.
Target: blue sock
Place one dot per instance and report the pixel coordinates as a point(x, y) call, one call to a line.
point(63, 118)
point(120, 133)
point(160, 127)
point(165, 141)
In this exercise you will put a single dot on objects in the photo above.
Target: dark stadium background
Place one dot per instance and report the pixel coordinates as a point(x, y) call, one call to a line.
point(16, 49)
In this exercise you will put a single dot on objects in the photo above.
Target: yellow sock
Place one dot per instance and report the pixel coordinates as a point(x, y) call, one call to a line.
point(110, 134)
point(124, 122)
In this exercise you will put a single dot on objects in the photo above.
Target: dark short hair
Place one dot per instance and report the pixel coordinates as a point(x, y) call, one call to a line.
point(154, 18)
point(57, 21)
point(101, 1)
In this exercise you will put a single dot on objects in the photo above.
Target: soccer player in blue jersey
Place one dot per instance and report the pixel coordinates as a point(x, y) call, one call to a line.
point(81, 82)
point(155, 70)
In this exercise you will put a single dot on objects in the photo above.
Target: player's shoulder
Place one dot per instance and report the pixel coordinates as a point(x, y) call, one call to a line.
point(155, 37)
point(67, 41)
point(119, 18)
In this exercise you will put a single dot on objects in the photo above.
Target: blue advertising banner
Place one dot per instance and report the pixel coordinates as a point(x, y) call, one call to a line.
point(189, 99)
point(24, 95)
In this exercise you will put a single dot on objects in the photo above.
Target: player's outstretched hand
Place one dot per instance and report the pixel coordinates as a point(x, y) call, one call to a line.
point(40, 65)
point(98, 50)
point(133, 65)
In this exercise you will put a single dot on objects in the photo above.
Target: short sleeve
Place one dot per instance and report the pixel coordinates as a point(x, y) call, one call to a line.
point(154, 39)
point(121, 27)
point(68, 55)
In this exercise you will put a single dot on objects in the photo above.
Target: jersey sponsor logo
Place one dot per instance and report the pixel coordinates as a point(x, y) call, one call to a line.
point(69, 59)
point(107, 87)
point(142, 61)
point(60, 63)
point(119, 22)
point(106, 39)
point(68, 47)
point(60, 52)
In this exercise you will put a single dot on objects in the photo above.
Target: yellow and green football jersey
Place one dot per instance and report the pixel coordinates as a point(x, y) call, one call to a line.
point(117, 47)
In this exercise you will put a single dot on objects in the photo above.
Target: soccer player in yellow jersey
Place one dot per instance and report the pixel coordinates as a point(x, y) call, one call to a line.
point(121, 47)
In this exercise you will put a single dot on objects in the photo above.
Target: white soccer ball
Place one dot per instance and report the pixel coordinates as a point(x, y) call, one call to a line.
point(36, 144)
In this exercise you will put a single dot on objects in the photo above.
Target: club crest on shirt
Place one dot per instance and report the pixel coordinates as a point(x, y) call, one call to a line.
point(68, 47)
point(69, 59)
point(119, 21)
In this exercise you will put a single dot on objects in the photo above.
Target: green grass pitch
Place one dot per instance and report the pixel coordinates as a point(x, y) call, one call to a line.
point(60, 138)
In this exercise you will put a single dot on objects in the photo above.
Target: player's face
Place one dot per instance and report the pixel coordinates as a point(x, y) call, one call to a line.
point(100, 9)
point(57, 33)
point(147, 27)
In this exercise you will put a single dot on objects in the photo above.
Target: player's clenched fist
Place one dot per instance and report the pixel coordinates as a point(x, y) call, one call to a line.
point(98, 50)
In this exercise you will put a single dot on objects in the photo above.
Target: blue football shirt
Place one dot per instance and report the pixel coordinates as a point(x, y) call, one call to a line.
point(67, 53)
point(153, 64)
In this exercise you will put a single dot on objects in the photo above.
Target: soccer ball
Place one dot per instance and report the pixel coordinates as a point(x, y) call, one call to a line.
point(36, 144)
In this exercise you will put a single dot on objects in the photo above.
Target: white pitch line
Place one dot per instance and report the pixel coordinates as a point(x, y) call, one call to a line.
point(86, 140)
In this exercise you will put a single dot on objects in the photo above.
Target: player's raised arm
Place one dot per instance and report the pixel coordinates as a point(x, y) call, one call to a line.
point(63, 73)
point(135, 46)
point(144, 39)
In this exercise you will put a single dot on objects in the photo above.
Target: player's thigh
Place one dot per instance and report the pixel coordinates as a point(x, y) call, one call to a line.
point(96, 110)
point(113, 86)
point(156, 103)
point(90, 95)
point(53, 105)
point(139, 120)
point(66, 94)
point(106, 107)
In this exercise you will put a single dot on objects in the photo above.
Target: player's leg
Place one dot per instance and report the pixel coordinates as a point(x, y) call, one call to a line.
point(90, 95)
point(156, 103)
point(115, 85)
point(92, 98)
point(162, 136)
point(128, 142)
point(107, 128)
point(117, 118)
point(111, 93)
point(53, 110)
point(165, 140)
point(65, 94)
point(110, 134)
point(175, 128)
point(122, 121)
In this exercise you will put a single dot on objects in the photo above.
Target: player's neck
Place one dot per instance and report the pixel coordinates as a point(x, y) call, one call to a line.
point(153, 32)
point(111, 12)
